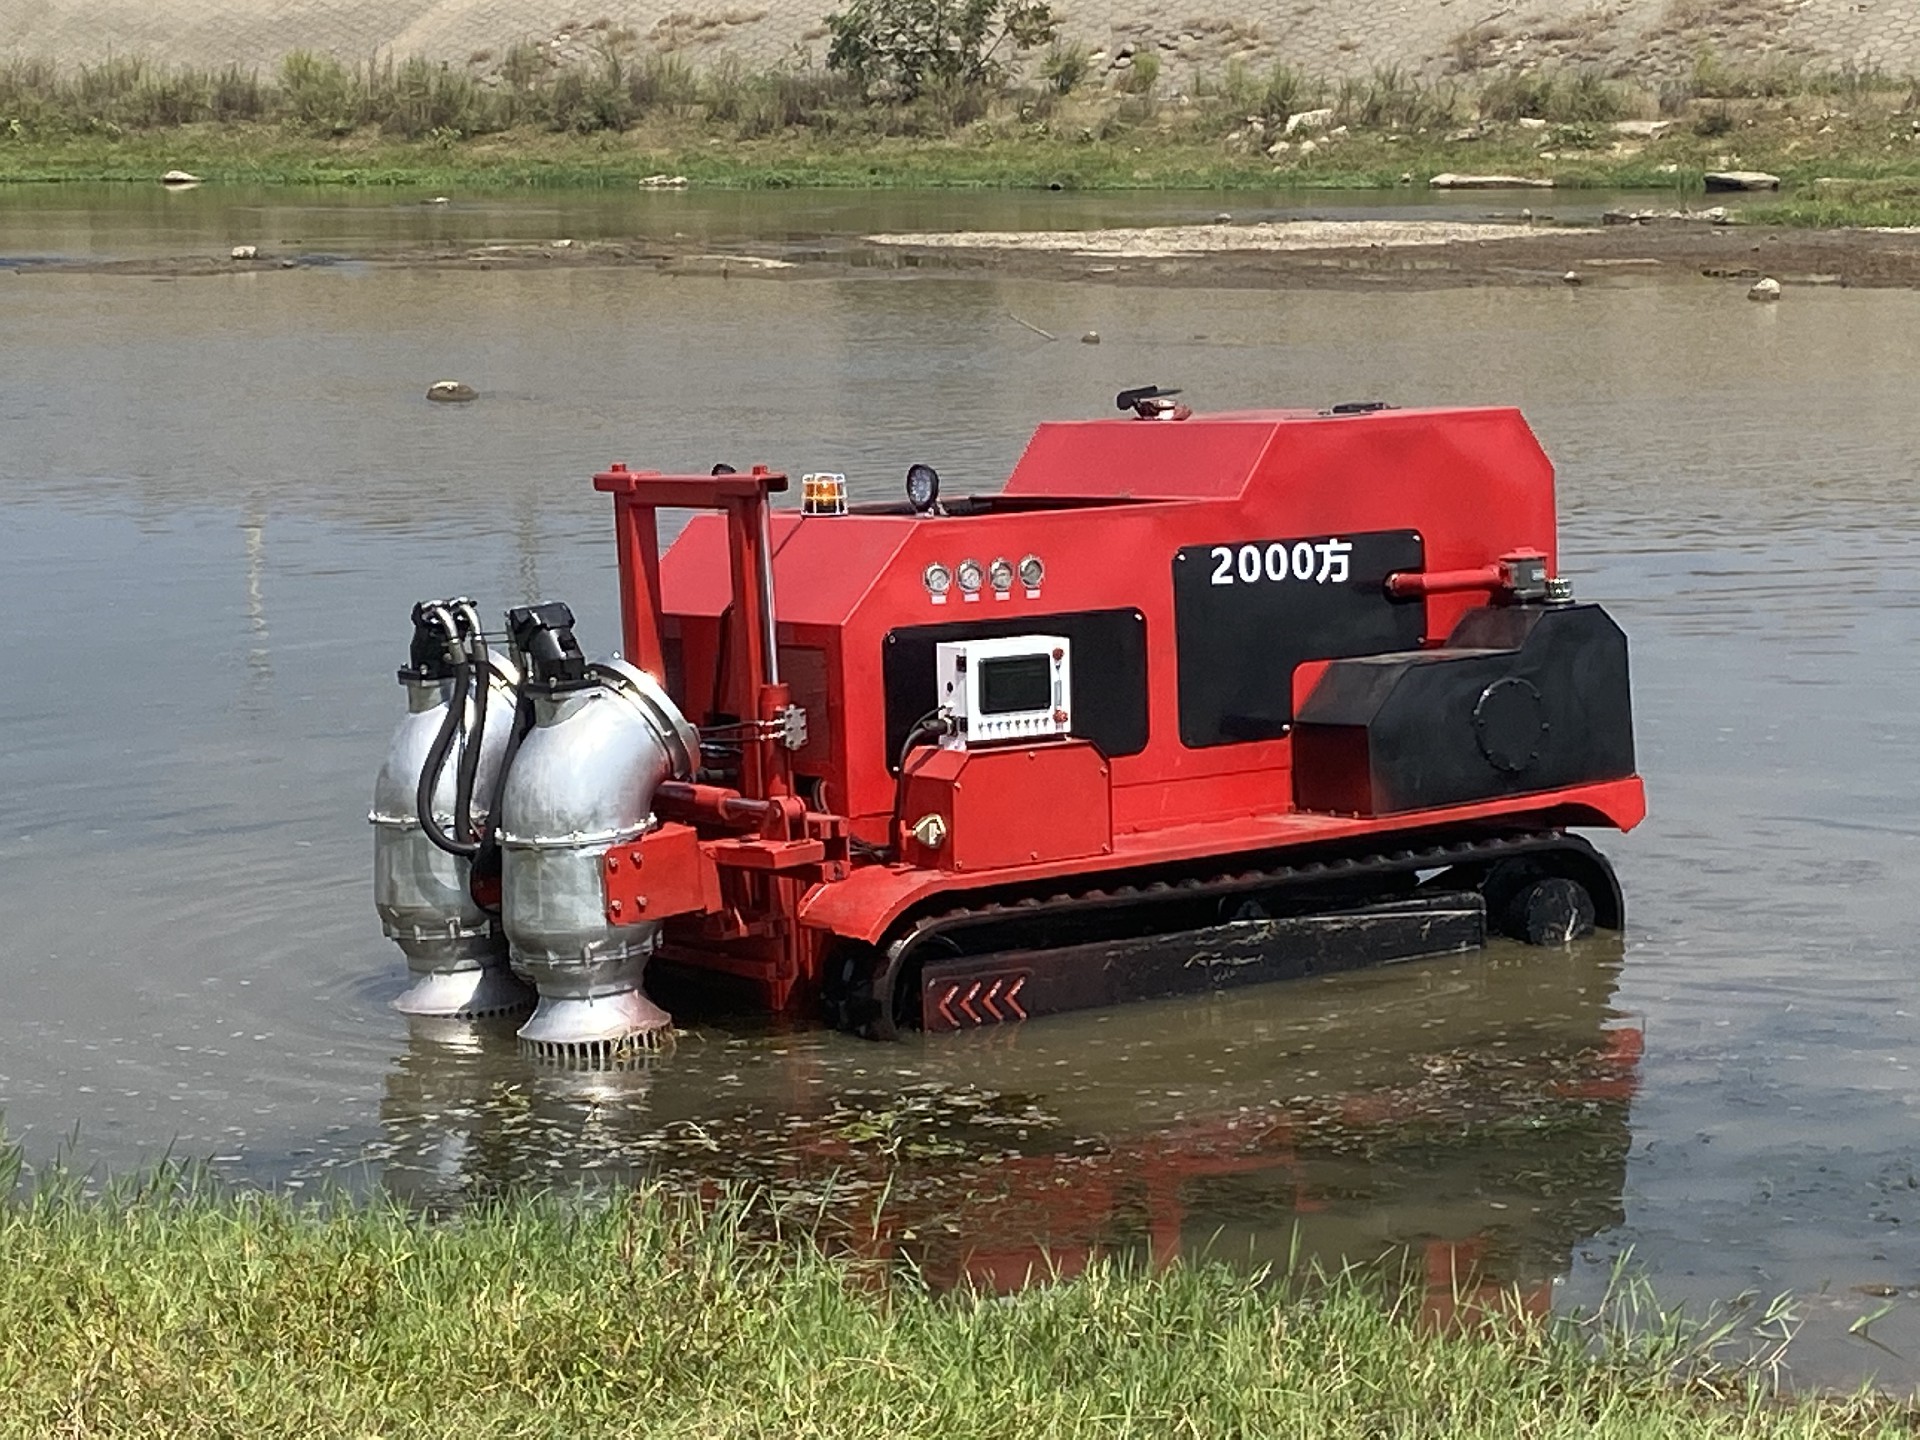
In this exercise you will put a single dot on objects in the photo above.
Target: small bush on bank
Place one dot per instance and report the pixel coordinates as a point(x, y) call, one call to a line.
point(1142, 75)
point(320, 94)
point(662, 82)
point(1716, 79)
point(1583, 97)
point(910, 44)
point(1065, 66)
point(760, 103)
point(1388, 98)
point(1709, 124)
point(1280, 92)
point(597, 96)
point(422, 98)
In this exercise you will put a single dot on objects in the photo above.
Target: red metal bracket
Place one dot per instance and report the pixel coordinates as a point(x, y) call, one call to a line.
point(767, 854)
point(666, 872)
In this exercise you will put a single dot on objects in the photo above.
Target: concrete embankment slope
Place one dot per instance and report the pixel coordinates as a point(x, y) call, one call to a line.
point(1650, 38)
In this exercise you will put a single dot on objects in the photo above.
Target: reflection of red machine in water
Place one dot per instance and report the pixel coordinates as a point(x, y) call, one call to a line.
point(1194, 700)
point(1467, 1118)
point(1162, 1194)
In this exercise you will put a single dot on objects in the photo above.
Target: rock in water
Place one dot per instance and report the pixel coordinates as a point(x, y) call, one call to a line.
point(1766, 289)
point(1450, 181)
point(452, 391)
point(1740, 180)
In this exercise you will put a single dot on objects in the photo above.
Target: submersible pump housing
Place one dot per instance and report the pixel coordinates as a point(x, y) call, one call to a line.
point(422, 890)
point(603, 737)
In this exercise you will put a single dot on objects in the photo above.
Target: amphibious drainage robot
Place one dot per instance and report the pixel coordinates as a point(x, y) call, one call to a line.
point(1195, 700)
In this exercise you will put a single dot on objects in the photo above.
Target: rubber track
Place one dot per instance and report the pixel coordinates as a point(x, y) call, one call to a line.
point(1484, 851)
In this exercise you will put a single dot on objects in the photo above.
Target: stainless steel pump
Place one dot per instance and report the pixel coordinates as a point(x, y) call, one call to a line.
point(456, 949)
point(603, 737)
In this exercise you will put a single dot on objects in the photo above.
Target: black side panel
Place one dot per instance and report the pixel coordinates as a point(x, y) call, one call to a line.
point(1246, 613)
point(1019, 984)
point(1522, 699)
point(1109, 673)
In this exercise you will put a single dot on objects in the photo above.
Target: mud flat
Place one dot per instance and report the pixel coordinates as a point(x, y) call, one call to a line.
point(1426, 254)
point(1314, 254)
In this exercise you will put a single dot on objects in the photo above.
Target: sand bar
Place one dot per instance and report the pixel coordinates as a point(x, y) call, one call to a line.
point(1163, 241)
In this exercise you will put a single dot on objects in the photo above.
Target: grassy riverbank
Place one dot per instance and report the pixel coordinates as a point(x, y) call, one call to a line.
point(623, 119)
point(164, 1314)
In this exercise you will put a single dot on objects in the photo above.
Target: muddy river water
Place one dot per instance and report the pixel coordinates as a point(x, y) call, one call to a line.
point(220, 496)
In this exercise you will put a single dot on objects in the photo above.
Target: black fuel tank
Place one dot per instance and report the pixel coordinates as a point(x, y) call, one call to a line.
point(1522, 698)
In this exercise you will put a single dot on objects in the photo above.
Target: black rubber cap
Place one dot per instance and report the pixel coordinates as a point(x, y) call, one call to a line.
point(1550, 911)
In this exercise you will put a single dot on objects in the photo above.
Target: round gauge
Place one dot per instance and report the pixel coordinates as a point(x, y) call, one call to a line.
point(1000, 575)
point(970, 576)
point(937, 578)
point(1032, 572)
point(923, 487)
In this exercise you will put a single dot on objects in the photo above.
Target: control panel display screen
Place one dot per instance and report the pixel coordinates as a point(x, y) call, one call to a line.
point(1004, 689)
point(1018, 682)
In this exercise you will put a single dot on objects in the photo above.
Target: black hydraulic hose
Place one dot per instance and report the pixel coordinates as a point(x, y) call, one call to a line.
point(932, 723)
point(436, 762)
point(465, 642)
point(486, 844)
point(469, 768)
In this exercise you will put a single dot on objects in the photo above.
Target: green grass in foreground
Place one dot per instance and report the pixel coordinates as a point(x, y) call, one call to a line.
point(172, 1313)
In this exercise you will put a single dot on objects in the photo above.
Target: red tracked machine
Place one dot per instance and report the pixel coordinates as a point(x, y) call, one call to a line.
point(1195, 700)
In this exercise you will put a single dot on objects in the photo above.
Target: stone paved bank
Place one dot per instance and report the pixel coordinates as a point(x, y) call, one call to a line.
point(1654, 38)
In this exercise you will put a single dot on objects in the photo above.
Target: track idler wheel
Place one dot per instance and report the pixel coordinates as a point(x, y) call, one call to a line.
point(858, 997)
point(1540, 909)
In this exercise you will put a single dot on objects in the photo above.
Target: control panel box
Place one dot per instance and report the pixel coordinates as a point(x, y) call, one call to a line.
point(1008, 689)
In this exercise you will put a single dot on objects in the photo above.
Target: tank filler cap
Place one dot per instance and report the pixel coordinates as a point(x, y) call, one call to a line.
point(1523, 577)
